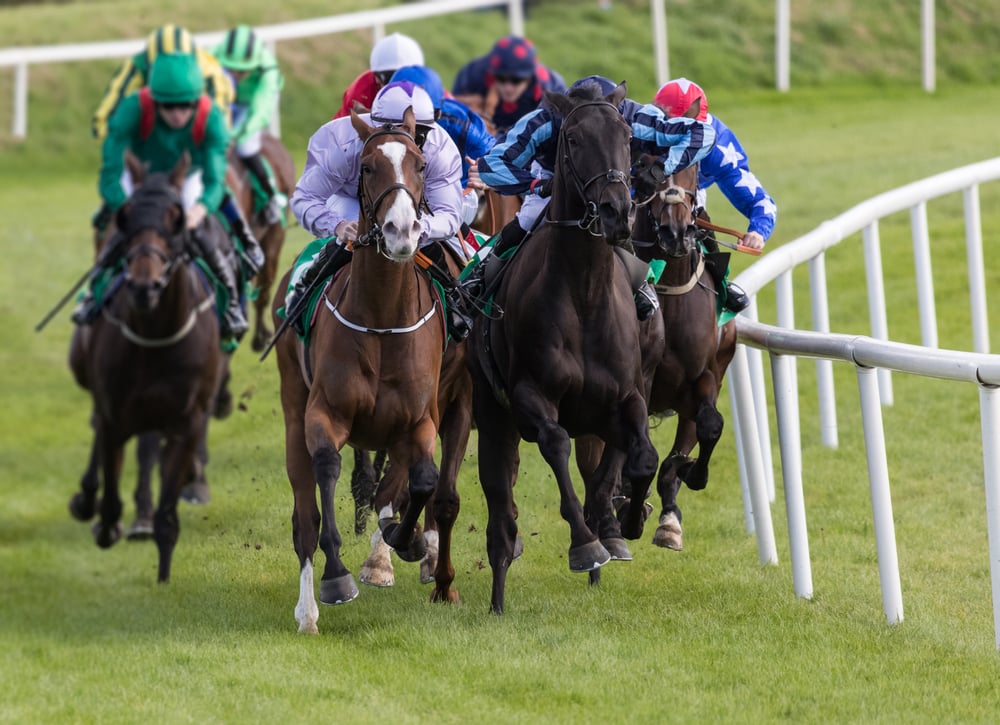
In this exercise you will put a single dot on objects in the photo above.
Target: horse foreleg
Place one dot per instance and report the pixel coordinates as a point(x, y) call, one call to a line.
point(640, 465)
point(108, 529)
point(147, 455)
point(443, 510)
point(178, 458)
point(405, 537)
point(708, 430)
point(363, 484)
point(305, 521)
point(337, 585)
point(669, 534)
point(271, 243)
point(83, 504)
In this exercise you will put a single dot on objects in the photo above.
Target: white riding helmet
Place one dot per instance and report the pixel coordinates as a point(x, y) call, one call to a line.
point(392, 101)
point(394, 52)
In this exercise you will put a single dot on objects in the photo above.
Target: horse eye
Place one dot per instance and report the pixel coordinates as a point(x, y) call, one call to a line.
point(365, 169)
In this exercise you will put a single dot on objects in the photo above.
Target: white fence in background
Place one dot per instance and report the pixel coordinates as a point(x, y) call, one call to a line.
point(21, 57)
point(874, 358)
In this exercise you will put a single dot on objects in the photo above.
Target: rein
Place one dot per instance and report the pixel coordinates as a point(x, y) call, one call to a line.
point(591, 218)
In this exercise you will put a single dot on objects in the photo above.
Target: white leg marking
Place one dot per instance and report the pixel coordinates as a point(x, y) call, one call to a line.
point(307, 610)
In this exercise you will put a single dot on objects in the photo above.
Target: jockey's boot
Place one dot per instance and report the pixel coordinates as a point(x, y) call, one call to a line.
point(459, 321)
point(330, 258)
point(717, 264)
point(253, 255)
point(510, 236)
point(276, 201)
point(101, 218)
point(234, 322)
point(646, 300)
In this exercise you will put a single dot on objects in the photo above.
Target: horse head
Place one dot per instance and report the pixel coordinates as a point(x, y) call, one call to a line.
point(153, 226)
point(671, 210)
point(390, 187)
point(591, 180)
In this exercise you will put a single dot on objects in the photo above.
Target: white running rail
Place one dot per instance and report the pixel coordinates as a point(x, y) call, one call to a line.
point(874, 357)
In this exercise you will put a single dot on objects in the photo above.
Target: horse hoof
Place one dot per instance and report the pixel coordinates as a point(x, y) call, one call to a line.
point(427, 566)
point(588, 557)
point(518, 547)
point(416, 548)
point(448, 597)
point(308, 628)
point(338, 591)
point(224, 403)
point(106, 538)
point(79, 509)
point(141, 529)
point(196, 493)
point(669, 534)
point(617, 548)
point(377, 576)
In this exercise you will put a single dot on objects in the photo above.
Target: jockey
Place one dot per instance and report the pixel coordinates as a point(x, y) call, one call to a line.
point(506, 83)
point(523, 162)
point(133, 74)
point(258, 81)
point(388, 55)
point(726, 165)
point(466, 128)
point(176, 93)
point(326, 204)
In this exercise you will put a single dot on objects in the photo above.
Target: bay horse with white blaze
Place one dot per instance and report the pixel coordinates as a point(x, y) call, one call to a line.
point(370, 376)
point(152, 360)
point(689, 375)
point(563, 360)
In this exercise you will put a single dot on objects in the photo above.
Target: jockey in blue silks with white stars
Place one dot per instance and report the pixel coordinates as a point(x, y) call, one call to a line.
point(522, 163)
point(727, 166)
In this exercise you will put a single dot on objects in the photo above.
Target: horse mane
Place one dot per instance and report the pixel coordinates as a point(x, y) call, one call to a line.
point(589, 91)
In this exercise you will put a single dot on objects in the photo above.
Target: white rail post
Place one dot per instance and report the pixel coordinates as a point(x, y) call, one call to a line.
point(659, 11)
point(878, 482)
point(515, 15)
point(786, 402)
point(876, 301)
point(925, 277)
point(751, 448)
point(975, 267)
point(927, 43)
point(755, 363)
point(824, 368)
point(275, 128)
point(782, 35)
point(989, 411)
point(20, 124)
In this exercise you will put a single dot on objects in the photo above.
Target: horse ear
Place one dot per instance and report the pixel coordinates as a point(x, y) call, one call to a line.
point(618, 94)
point(179, 172)
point(362, 128)
point(558, 102)
point(136, 169)
point(694, 109)
point(409, 121)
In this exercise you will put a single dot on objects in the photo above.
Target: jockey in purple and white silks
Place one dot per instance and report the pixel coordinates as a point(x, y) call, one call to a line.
point(325, 200)
point(522, 163)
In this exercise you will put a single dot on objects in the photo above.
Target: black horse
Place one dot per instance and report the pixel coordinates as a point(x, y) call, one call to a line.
point(151, 361)
point(563, 360)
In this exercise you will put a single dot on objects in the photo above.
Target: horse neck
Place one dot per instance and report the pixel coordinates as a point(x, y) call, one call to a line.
point(381, 293)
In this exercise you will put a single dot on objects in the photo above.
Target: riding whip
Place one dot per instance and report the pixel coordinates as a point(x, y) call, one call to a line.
point(705, 224)
point(87, 276)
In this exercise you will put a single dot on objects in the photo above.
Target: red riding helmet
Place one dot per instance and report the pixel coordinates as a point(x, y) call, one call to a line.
point(678, 95)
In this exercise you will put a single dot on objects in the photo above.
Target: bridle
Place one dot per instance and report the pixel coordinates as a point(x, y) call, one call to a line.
point(370, 207)
point(672, 195)
point(147, 213)
point(591, 220)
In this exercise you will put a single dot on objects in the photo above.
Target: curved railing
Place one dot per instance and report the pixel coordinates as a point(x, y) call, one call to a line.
point(874, 358)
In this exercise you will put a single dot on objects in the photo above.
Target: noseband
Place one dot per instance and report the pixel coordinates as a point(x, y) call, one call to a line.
point(370, 207)
point(591, 220)
point(672, 195)
point(147, 213)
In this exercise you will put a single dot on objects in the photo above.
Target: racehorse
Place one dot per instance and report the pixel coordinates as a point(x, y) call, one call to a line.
point(689, 376)
point(563, 360)
point(152, 361)
point(370, 376)
point(270, 236)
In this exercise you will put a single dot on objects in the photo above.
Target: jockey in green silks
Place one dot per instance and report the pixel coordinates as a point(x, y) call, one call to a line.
point(254, 72)
point(159, 124)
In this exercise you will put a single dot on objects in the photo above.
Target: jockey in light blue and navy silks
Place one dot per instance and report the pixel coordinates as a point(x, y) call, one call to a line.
point(510, 58)
point(727, 165)
point(465, 127)
point(526, 156)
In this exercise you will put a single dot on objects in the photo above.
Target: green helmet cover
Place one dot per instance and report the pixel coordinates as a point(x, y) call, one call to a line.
point(176, 78)
point(240, 50)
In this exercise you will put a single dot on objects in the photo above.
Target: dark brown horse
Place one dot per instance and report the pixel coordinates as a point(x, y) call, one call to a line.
point(563, 360)
point(151, 362)
point(270, 236)
point(373, 368)
point(689, 376)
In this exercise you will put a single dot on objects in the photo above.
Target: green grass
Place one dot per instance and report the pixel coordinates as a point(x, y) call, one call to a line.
point(706, 635)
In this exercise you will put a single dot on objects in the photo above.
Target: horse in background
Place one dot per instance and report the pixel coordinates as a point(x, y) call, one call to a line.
point(270, 236)
point(688, 377)
point(151, 361)
point(542, 370)
point(370, 376)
